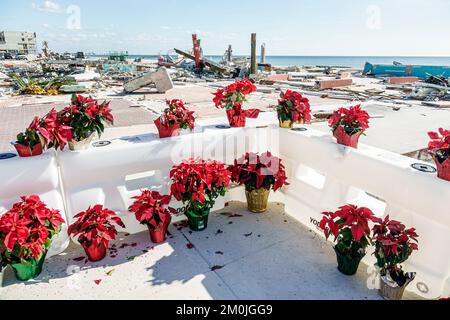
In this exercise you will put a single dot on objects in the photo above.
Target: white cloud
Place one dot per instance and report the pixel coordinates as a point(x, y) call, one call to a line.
point(165, 28)
point(49, 6)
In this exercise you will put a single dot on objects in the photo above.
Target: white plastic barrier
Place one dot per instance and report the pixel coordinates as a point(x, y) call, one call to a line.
point(111, 175)
point(324, 176)
point(34, 176)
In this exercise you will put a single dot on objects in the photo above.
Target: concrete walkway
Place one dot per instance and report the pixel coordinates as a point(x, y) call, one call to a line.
point(240, 256)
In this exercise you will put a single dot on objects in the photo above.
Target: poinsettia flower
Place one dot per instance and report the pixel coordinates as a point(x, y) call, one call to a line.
point(95, 225)
point(149, 208)
point(257, 171)
point(26, 228)
point(197, 180)
point(353, 118)
point(294, 107)
point(348, 217)
point(234, 95)
point(439, 146)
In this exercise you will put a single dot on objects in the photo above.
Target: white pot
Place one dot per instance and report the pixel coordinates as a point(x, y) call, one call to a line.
point(185, 131)
point(1, 279)
point(81, 145)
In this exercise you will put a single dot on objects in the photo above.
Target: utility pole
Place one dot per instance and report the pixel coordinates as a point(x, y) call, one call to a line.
point(253, 63)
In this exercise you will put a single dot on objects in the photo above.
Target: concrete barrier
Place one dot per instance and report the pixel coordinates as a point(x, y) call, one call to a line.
point(29, 176)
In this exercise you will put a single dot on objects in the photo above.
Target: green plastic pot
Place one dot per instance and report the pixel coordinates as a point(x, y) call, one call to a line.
point(28, 270)
point(198, 220)
point(1, 278)
point(347, 264)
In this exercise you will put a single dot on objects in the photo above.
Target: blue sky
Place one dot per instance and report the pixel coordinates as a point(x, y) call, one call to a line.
point(288, 27)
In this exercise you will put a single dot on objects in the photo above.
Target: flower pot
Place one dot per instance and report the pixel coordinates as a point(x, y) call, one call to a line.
point(81, 145)
point(346, 139)
point(198, 221)
point(172, 130)
point(95, 253)
point(25, 151)
point(236, 121)
point(25, 271)
point(288, 124)
point(390, 290)
point(257, 200)
point(1, 278)
point(346, 264)
point(159, 235)
point(443, 169)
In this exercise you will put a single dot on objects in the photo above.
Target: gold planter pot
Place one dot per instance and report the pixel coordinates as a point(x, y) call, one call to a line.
point(389, 290)
point(81, 145)
point(257, 200)
point(286, 124)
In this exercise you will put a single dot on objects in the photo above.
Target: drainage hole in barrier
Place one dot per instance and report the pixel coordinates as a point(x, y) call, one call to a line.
point(222, 126)
point(4, 156)
point(422, 287)
point(423, 167)
point(299, 129)
point(100, 144)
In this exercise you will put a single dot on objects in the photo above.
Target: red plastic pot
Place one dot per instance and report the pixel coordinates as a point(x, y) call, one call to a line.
point(25, 151)
point(443, 169)
point(346, 139)
point(172, 130)
point(236, 121)
point(95, 253)
point(159, 235)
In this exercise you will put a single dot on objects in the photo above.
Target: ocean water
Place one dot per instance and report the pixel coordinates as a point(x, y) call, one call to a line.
point(342, 61)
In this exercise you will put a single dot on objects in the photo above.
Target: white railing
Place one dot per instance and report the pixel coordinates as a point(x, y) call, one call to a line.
point(322, 176)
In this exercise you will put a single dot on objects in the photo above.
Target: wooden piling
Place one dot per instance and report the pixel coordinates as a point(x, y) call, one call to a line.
point(253, 63)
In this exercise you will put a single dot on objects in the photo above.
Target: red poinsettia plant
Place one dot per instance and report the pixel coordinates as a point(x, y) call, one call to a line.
point(150, 209)
point(293, 107)
point(232, 98)
point(350, 227)
point(85, 116)
point(349, 124)
point(393, 246)
point(354, 120)
point(95, 227)
point(26, 230)
point(177, 113)
point(55, 133)
point(30, 142)
point(198, 183)
point(439, 148)
point(259, 171)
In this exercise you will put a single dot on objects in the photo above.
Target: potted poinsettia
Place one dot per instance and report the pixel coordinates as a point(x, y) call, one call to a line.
point(439, 148)
point(350, 227)
point(30, 143)
point(150, 210)
point(175, 120)
point(26, 232)
point(232, 98)
point(293, 108)
point(393, 246)
point(56, 134)
point(86, 117)
point(349, 124)
point(198, 183)
point(3, 263)
point(259, 174)
point(95, 227)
